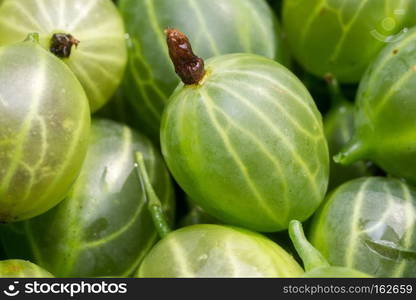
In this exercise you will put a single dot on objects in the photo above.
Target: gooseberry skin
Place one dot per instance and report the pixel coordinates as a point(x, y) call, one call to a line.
point(99, 59)
point(385, 109)
point(368, 224)
point(247, 143)
point(16, 268)
point(215, 27)
point(103, 227)
point(217, 251)
point(44, 129)
point(342, 37)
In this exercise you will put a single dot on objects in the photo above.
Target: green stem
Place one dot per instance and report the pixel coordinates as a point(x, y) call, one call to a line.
point(337, 96)
point(351, 152)
point(311, 257)
point(151, 199)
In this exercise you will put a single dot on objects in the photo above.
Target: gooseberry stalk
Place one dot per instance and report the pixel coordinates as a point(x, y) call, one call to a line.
point(354, 150)
point(151, 199)
point(312, 258)
point(337, 97)
point(189, 67)
point(61, 44)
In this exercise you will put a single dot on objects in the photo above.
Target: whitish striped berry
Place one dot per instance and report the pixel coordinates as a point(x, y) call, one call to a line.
point(217, 251)
point(342, 37)
point(369, 224)
point(44, 129)
point(103, 227)
point(246, 140)
point(87, 34)
point(385, 112)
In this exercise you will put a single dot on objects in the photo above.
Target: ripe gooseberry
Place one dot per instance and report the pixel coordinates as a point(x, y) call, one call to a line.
point(244, 139)
point(369, 224)
point(385, 112)
point(44, 129)
point(342, 37)
point(103, 227)
point(211, 250)
point(88, 35)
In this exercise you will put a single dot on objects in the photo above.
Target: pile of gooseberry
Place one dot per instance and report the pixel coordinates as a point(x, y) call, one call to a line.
point(177, 138)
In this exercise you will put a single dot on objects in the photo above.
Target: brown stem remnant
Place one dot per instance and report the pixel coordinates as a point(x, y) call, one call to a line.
point(61, 44)
point(188, 66)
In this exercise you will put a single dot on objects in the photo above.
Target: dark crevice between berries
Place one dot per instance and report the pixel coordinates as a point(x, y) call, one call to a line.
point(61, 44)
point(189, 67)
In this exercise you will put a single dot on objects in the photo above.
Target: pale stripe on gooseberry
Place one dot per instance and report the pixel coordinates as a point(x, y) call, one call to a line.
point(37, 94)
point(309, 21)
point(84, 13)
point(346, 29)
point(180, 258)
point(71, 152)
point(382, 62)
point(354, 236)
point(397, 205)
point(410, 220)
point(237, 160)
point(262, 116)
point(387, 212)
point(263, 149)
point(204, 28)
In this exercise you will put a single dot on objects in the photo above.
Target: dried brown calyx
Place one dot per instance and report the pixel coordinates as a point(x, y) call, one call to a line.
point(61, 44)
point(188, 66)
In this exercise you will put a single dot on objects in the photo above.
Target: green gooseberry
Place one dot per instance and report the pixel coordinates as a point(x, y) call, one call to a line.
point(369, 224)
point(245, 141)
point(88, 35)
point(216, 26)
point(16, 268)
point(103, 227)
point(196, 215)
point(315, 264)
point(342, 37)
point(44, 129)
point(385, 109)
point(339, 128)
point(209, 250)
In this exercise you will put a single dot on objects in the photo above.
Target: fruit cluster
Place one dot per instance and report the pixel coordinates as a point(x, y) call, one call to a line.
point(191, 138)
